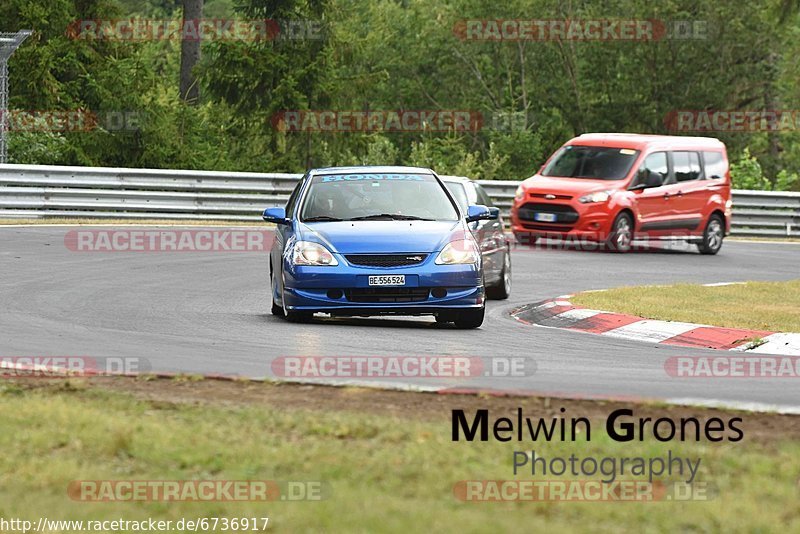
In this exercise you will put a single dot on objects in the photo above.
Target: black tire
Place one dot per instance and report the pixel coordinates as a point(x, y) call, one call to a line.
point(295, 316)
point(501, 290)
point(621, 237)
point(470, 318)
point(526, 239)
point(298, 316)
point(713, 235)
point(276, 309)
point(292, 316)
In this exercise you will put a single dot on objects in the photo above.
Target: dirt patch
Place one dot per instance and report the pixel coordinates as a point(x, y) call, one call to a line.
point(757, 427)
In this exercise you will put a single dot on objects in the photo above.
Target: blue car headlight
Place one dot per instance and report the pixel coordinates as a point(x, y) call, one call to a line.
point(459, 252)
point(310, 253)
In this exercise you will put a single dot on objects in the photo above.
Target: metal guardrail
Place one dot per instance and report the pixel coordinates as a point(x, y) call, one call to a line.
point(42, 191)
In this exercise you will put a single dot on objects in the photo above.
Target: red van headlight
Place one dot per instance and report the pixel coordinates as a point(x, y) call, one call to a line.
point(596, 197)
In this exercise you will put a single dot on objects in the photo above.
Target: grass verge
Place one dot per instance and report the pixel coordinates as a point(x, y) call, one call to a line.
point(387, 457)
point(773, 306)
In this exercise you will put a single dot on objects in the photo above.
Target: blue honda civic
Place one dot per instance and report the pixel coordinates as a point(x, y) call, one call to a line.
point(363, 241)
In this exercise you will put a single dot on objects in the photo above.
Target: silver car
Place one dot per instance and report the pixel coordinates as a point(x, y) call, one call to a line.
point(494, 244)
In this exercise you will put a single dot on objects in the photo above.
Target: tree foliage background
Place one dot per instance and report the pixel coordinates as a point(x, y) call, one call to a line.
point(401, 54)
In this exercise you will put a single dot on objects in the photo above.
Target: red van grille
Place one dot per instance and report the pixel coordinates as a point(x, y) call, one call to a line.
point(547, 227)
point(563, 213)
point(550, 196)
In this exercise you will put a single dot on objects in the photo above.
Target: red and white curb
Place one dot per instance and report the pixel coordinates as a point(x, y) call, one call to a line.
point(561, 313)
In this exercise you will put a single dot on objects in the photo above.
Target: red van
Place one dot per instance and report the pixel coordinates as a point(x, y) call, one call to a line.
point(612, 188)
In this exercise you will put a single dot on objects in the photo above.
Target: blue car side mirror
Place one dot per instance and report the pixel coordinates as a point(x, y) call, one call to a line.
point(275, 215)
point(481, 213)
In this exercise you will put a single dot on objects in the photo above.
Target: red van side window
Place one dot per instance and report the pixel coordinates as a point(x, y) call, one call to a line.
point(715, 165)
point(687, 166)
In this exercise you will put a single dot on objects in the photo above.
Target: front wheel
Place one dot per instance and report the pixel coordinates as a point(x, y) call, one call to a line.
point(621, 238)
point(293, 316)
point(526, 240)
point(501, 289)
point(470, 318)
point(277, 310)
point(712, 236)
point(298, 316)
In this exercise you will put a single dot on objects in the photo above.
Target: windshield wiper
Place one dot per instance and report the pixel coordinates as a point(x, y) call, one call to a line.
point(392, 216)
point(322, 218)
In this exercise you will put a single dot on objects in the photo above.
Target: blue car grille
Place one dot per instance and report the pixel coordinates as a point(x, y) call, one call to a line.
point(387, 294)
point(385, 260)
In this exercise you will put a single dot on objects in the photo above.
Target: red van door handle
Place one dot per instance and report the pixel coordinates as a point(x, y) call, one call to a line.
point(680, 193)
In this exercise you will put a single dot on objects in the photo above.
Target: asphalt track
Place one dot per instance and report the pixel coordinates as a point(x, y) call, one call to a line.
point(209, 313)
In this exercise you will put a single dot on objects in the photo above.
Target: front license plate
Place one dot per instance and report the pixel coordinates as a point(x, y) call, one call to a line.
point(544, 217)
point(389, 280)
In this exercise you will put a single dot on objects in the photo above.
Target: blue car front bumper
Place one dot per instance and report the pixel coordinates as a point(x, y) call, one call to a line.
point(344, 289)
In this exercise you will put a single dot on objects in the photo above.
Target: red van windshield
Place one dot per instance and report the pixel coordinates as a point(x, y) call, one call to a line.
point(590, 162)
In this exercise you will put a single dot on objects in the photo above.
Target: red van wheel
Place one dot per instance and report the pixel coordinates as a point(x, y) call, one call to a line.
point(621, 237)
point(712, 236)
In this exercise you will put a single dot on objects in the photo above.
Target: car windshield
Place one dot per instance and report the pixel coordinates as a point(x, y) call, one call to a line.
point(383, 196)
point(590, 162)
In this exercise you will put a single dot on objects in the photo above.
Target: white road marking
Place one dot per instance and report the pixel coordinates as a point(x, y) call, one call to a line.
point(651, 331)
point(737, 405)
point(784, 344)
point(552, 304)
point(382, 383)
point(578, 314)
point(763, 241)
point(746, 347)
